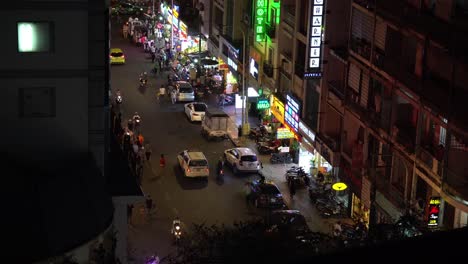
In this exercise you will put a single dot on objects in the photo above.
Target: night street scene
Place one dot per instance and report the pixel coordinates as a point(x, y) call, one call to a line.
point(234, 131)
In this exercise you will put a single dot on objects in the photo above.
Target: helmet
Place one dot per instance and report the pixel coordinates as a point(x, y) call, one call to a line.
point(136, 113)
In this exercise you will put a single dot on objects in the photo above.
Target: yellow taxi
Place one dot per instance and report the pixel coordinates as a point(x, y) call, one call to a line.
point(117, 56)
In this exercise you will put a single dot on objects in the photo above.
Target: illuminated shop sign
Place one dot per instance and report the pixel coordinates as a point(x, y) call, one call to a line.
point(434, 210)
point(260, 19)
point(284, 132)
point(314, 67)
point(277, 109)
point(292, 112)
point(305, 131)
point(263, 104)
point(254, 68)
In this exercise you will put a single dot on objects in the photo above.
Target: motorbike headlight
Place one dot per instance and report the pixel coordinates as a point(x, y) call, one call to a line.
point(177, 228)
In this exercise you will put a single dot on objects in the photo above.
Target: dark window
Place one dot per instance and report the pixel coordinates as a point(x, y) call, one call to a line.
point(249, 158)
point(269, 189)
point(116, 54)
point(37, 102)
point(199, 107)
point(185, 90)
point(198, 163)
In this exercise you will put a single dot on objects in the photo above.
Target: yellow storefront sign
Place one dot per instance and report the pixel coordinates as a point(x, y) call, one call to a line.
point(284, 132)
point(277, 109)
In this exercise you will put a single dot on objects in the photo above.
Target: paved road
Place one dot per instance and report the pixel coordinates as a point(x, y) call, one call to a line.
point(169, 131)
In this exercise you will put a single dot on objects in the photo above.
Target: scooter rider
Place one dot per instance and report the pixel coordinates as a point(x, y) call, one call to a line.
point(219, 167)
point(177, 228)
point(143, 78)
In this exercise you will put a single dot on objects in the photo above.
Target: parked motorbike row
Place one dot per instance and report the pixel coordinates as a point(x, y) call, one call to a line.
point(325, 201)
point(297, 176)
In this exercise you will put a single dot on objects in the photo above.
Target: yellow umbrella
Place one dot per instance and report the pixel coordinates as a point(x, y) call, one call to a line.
point(339, 186)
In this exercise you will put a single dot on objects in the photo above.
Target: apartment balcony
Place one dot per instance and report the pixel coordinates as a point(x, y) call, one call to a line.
point(289, 15)
point(436, 93)
point(390, 192)
point(361, 47)
point(268, 69)
point(337, 88)
point(271, 31)
point(404, 135)
point(429, 163)
point(403, 73)
point(368, 4)
point(333, 142)
point(456, 185)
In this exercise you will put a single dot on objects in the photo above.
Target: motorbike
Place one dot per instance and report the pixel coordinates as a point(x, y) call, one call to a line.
point(267, 147)
point(143, 83)
point(176, 229)
point(298, 175)
point(136, 121)
point(119, 99)
point(281, 157)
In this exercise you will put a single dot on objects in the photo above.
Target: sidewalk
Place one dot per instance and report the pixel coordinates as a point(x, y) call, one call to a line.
point(276, 172)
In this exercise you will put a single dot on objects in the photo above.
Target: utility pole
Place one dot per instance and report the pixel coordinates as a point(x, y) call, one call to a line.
point(200, 35)
point(245, 125)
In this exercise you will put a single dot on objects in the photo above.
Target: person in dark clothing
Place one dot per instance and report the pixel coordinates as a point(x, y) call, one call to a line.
point(149, 204)
point(220, 166)
point(292, 189)
point(153, 56)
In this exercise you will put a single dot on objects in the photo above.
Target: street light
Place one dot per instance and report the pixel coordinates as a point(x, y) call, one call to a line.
point(245, 125)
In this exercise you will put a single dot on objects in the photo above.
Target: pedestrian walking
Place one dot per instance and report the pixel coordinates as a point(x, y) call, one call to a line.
point(153, 56)
point(247, 192)
point(141, 139)
point(125, 30)
point(129, 212)
point(149, 204)
point(173, 96)
point(162, 161)
point(148, 151)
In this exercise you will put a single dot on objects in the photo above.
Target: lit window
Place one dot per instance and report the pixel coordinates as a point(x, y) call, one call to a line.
point(35, 36)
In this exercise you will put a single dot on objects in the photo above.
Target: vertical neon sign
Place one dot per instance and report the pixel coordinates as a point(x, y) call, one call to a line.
point(260, 16)
point(315, 42)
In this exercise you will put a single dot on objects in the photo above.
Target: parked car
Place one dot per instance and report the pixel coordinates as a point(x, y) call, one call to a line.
point(193, 163)
point(266, 194)
point(195, 111)
point(184, 91)
point(117, 56)
point(291, 220)
point(242, 160)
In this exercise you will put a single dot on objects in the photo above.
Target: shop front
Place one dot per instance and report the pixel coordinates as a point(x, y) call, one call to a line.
point(307, 152)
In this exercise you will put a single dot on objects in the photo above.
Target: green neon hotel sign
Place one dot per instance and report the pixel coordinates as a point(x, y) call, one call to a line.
point(260, 19)
point(263, 104)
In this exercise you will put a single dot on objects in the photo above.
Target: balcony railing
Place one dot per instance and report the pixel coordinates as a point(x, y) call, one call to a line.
point(430, 163)
point(456, 184)
point(393, 67)
point(288, 16)
point(361, 46)
point(405, 135)
point(337, 88)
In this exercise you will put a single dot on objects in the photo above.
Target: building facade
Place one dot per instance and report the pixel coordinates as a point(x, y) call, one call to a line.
point(398, 84)
point(55, 80)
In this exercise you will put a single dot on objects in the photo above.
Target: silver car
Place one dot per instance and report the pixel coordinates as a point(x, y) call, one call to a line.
point(184, 92)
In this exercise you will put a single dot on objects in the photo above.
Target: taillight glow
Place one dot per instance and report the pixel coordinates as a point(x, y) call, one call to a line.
point(188, 169)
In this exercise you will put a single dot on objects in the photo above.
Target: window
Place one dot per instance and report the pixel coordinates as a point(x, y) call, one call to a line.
point(35, 36)
point(249, 158)
point(37, 102)
point(198, 163)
